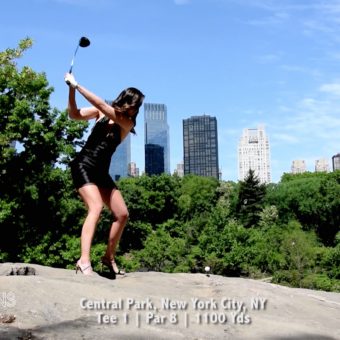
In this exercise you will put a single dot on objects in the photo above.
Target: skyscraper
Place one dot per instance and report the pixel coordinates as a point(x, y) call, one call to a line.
point(254, 153)
point(156, 133)
point(200, 146)
point(120, 160)
point(336, 162)
point(119, 166)
point(154, 159)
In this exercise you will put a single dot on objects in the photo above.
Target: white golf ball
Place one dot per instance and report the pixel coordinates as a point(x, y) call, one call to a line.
point(207, 269)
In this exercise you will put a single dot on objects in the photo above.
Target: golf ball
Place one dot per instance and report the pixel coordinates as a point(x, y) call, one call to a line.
point(207, 269)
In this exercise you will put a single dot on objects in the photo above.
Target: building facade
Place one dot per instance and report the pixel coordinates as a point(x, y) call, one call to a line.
point(336, 162)
point(133, 171)
point(154, 159)
point(298, 166)
point(254, 154)
point(119, 166)
point(200, 146)
point(156, 132)
point(321, 165)
point(179, 171)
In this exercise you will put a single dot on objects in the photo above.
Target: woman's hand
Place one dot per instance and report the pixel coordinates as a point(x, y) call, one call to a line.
point(69, 80)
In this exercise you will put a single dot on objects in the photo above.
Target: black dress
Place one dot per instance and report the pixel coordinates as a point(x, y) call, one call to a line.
point(91, 164)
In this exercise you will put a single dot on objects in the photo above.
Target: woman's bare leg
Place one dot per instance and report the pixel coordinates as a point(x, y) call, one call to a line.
point(115, 202)
point(94, 203)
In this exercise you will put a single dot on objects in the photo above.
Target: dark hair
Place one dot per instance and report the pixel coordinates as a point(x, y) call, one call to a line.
point(129, 98)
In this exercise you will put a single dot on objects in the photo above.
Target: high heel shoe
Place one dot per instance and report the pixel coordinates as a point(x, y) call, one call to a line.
point(111, 264)
point(85, 269)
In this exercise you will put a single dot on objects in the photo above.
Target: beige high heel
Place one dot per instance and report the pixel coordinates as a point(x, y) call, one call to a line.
point(85, 269)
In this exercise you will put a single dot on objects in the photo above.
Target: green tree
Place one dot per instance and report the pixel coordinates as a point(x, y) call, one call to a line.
point(151, 199)
point(162, 252)
point(197, 195)
point(250, 200)
point(35, 141)
point(330, 261)
point(225, 246)
point(227, 198)
point(311, 198)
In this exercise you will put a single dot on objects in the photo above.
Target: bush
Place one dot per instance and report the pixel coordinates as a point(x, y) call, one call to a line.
point(331, 262)
point(63, 253)
point(163, 253)
point(288, 278)
point(299, 248)
point(320, 282)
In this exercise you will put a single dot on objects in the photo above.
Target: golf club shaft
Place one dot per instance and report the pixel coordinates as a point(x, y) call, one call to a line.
point(72, 62)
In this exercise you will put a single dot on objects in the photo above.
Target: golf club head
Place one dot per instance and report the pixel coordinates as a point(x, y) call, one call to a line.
point(84, 42)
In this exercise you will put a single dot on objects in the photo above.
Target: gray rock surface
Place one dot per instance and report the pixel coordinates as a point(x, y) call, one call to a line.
point(58, 304)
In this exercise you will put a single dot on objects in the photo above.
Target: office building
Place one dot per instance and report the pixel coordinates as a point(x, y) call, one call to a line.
point(179, 171)
point(154, 159)
point(200, 146)
point(133, 171)
point(321, 165)
point(121, 157)
point(120, 160)
point(254, 154)
point(156, 133)
point(336, 162)
point(298, 166)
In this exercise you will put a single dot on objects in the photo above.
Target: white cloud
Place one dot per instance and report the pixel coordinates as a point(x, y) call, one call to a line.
point(332, 88)
point(308, 130)
point(268, 58)
point(285, 137)
point(302, 69)
point(314, 120)
point(316, 25)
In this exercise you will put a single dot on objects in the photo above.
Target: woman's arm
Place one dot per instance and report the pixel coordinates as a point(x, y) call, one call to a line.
point(99, 105)
point(103, 107)
point(79, 114)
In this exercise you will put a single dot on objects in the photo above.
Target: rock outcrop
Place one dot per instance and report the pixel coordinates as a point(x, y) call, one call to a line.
point(40, 302)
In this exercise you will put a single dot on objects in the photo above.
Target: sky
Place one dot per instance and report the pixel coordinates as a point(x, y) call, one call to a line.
point(246, 62)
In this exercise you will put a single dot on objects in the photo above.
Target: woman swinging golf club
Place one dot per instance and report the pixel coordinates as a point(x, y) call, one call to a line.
point(90, 168)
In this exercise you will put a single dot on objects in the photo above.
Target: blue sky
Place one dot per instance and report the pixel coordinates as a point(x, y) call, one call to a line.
point(245, 62)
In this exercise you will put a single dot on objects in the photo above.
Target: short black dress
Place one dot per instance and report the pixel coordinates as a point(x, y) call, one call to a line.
point(91, 164)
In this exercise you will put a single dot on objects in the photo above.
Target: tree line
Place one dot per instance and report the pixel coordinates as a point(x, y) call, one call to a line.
point(288, 232)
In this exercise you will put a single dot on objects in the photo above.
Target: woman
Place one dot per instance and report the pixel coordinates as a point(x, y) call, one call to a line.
point(90, 168)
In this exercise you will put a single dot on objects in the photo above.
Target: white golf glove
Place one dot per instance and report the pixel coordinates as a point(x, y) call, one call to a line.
point(69, 80)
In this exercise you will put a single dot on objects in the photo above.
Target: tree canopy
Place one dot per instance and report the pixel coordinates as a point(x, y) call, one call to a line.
point(35, 141)
point(289, 231)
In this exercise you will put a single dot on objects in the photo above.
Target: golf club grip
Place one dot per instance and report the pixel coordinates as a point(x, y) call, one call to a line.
point(70, 71)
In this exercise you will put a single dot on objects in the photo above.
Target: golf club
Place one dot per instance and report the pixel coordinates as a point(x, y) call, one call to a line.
point(83, 42)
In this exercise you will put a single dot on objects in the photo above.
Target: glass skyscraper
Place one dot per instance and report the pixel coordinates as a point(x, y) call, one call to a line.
point(200, 146)
point(119, 166)
point(120, 160)
point(156, 131)
point(154, 159)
